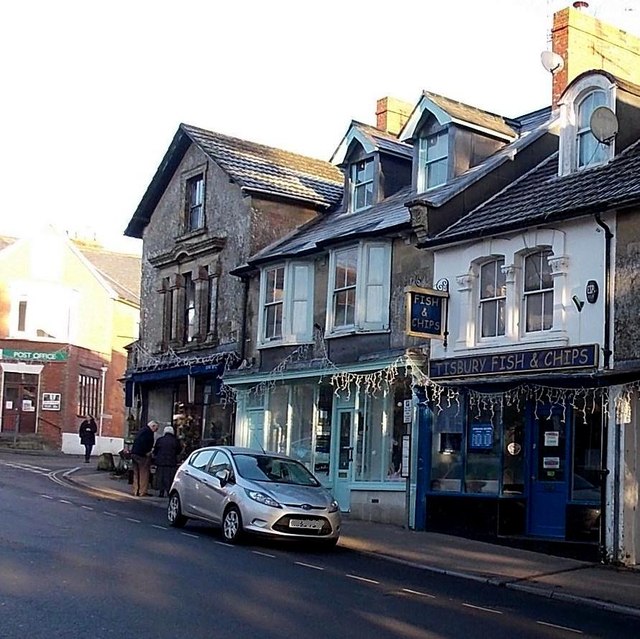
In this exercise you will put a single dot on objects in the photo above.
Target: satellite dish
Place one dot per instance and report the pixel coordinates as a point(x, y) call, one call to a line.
point(551, 61)
point(603, 124)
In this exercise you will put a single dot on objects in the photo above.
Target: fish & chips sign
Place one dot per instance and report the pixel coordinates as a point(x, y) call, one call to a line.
point(426, 312)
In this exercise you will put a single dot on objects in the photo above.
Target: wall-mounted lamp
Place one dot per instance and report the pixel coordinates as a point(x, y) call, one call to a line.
point(578, 303)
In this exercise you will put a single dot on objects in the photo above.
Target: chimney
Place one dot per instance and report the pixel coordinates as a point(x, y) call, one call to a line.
point(586, 43)
point(392, 114)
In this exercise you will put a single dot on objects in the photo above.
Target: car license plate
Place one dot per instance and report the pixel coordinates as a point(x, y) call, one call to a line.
point(307, 524)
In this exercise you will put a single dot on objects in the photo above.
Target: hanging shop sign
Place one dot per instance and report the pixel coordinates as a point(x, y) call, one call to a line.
point(592, 291)
point(538, 361)
point(33, 356)
point(426, 312)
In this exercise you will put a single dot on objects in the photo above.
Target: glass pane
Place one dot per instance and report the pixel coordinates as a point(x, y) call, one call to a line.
point(534, 311)
point(346, 268)
point(436, 146)
point(487, 280)
point(587, 450)
point(446, 449)
point(369, 457)
point(436, 173)
point(513, 453)
point(547, 320)
point(345, 308)
point(344, 456)
point(488, 311)
point(483, 452)
point(277, 419)
point(301, 434)
point(532, 274)
point(273, 321)
point(551, 448)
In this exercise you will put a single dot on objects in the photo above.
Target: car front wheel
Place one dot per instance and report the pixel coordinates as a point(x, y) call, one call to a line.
point(174, 511)
point(232, 525)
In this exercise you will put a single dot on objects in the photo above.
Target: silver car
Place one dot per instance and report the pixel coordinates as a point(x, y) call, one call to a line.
point(252, 491)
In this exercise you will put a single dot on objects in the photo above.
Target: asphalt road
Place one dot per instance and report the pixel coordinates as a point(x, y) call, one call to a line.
point(74, 565)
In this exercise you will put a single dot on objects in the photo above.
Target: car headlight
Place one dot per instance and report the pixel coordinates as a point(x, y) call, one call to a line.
point(333, 506)
point(261, 498)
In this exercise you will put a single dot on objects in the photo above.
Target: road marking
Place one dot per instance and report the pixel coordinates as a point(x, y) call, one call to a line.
point(553, 625)
point(159, 527)
point(263, 554)
point(301, 563)
point(495, 612)
point(64, 501)
point(86, 507)
point(106, 512)
point(222, 543)
point(369, 581)
point(416, 592)
point(132, 520)
point(46, 497)
point(190, 535)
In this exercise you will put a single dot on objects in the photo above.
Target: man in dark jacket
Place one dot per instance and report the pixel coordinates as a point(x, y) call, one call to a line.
point(141, 458)
point(87, 432)
point(165, 456)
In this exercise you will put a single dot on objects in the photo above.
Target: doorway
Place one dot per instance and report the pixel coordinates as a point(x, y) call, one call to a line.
point(19, 403)
point(549, 471)
point(344, 456)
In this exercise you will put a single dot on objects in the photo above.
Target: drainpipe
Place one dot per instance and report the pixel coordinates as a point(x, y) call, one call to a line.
point(245, 304)
point(608, 236)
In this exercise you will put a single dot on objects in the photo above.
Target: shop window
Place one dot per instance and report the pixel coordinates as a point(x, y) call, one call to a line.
point(446, 449)
point(321, 464)
point(189, 308)
point(513, 451)
point(300, 443)
point(369, 454)
point(587, 450)
point(483, 451)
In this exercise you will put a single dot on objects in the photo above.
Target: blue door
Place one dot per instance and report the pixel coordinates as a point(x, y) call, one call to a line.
point(548, 487)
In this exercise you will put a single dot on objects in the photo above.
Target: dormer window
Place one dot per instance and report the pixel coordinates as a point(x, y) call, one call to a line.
point(195, 203)
point(579, 148)
point(433, 155)
point(589, 150)
point(361, 185)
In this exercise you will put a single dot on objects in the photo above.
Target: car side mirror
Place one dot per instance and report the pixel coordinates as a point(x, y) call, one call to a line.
point(224, 476)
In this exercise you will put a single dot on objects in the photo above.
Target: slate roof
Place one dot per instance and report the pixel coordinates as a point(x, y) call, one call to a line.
point(268, 170)
point(120, 270)
point(385, 141)
point(541, 196)
point(472, 115)
point(392, 213)
point(254, 167)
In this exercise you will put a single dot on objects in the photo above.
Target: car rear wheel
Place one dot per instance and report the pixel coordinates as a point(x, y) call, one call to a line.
point(174, 511)
point(232, 525)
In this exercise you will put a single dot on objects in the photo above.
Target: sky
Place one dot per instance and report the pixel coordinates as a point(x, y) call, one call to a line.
point(92, 93)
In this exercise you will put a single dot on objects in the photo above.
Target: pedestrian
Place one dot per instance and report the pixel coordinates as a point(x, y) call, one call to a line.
point(141, 458)
point(165, 455)
point(87, 432)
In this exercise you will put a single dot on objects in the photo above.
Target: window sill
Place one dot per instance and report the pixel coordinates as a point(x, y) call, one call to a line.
point(282, 343)
point(355, 331)
point(548, 339)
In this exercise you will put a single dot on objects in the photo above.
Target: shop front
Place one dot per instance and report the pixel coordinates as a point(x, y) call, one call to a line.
point(518, 455)
point(350, 435)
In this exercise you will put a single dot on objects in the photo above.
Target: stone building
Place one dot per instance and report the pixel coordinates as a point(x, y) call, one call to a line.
point(213, 201)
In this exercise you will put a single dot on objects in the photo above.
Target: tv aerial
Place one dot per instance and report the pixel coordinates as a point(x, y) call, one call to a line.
point(604, 124)
point(552, 61)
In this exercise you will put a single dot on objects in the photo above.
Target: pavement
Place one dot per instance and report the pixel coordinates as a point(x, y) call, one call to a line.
point(612, 588)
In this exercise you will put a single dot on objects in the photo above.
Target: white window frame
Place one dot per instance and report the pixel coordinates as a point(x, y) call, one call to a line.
point(355, 185)
point(546, 254)
point(495, 299)
point(372, 289)
point(297, 304)
point(426, 162)
point(570, 124)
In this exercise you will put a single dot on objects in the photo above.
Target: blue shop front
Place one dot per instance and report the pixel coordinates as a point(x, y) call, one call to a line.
point(513, 447)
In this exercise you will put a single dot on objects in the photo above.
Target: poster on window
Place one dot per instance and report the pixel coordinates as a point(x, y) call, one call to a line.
point(27, 406)
point(51, 401)
point(482, 436)
point(551, 463)
point(552, 438)
point(406, 455)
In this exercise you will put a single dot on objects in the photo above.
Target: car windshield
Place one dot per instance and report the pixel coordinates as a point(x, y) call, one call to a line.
point(274, 469)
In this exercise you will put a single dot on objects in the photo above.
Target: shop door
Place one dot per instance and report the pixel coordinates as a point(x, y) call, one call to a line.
point(548, 488)
point(342, 484)
point(19, 401)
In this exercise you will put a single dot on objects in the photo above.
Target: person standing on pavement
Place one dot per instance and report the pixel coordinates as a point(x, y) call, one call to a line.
point(141, 458)
point(165, 456)
point(87, 432)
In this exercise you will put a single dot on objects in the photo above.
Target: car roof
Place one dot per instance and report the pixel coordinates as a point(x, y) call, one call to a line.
point(240, 450)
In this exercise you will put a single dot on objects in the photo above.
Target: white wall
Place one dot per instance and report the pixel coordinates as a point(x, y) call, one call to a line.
point(71, 445)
